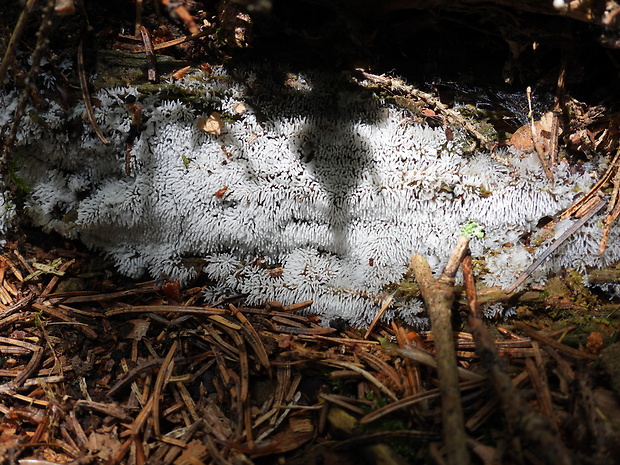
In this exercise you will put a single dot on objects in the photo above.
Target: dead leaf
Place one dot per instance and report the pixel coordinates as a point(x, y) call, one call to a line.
point(213, 124)
point(522, 137)
point(206, 67)
point(180, 73)
point(239, 108)
point(219, 194)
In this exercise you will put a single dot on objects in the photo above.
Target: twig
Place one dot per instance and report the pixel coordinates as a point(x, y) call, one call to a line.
point(384, 307)
point(105, 408)
point(9, 54)
point(593, 192)
point(35, 360)
point(50, 286)
point(298, 306)
point(424, 358)
point(542, 391)
point(555, 115)
point(553, 247)
point(160, 382)
point(364, 373)
point(535, 139)
point(430, 100)
point(613, 211)
point(530, 332)
point(485, 348)
point(253, 338)
point(167, 309)
point(413, 383)
point(409, 401)
point(16, 307)
point(151, 59)
point(89, 297)
point(438, 296)
point(86, 95)
point(173, 42)
point(518, 414)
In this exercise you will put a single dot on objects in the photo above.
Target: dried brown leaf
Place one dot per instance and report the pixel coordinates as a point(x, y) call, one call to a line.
point(213, 124)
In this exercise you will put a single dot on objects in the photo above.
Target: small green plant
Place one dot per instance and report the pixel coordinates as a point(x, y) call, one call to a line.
point(472, 229)
point(186, 160)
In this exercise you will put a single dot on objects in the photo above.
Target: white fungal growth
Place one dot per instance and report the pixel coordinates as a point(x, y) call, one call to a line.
point(319, 190)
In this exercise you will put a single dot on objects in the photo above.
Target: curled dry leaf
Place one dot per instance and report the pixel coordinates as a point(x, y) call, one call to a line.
point(522, 137)
point(212, 124)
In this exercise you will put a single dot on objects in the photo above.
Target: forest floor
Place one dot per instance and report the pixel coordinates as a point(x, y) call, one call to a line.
point(97, 368)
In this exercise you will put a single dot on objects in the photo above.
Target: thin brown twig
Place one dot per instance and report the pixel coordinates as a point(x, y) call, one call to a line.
point(438, 296)
point(563, 348)
point(542, 391)
point(253, 339)
point(386, 303)
point(420, 356)
point(536, 139)
point(368, 376)
point(413, 383)
point(554, 246)
point(409, 401)
point(86, 94)
point(54, 281)
point(167, 309)
point(613, 211)
point(555, 116)
point(519, 416)
point(430, 100)
point(18, 30)
point(594, 191)
point(35, 360)
point(151, 58)
point(160, 382)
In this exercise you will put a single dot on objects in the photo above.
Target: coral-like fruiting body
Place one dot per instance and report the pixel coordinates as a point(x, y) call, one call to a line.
point(311, 174)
